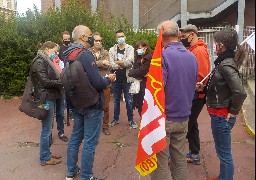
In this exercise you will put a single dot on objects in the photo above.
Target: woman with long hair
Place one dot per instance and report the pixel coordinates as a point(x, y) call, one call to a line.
point(225, 95)
point(139, 71)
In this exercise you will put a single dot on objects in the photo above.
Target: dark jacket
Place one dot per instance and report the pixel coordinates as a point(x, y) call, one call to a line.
point(46, 78)
point(225, 88)
point(90, 67)
point(139, 70)
point(61, 53)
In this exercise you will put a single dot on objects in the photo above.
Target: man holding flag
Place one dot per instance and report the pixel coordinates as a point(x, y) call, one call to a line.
point(179, 68)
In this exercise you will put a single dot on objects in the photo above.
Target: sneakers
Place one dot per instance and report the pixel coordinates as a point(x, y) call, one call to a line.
point(52, 161)
point(133, 124)
point(72, 177)
point(94, 178)
point(113, 123)
point(192, 158)
point(63, 137)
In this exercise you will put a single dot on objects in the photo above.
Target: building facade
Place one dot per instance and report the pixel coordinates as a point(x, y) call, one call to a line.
point(8, 6)
point(147, 14)
point(53, 4)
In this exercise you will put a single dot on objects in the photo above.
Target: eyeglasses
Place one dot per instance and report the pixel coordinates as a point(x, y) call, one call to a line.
point(97, 40)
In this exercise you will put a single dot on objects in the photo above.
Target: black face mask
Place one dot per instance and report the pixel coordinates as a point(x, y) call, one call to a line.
point(185, 42)
point(66, 43)
point(91, 41)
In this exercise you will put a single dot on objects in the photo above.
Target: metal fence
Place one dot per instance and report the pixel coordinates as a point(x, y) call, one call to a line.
point(248, 68)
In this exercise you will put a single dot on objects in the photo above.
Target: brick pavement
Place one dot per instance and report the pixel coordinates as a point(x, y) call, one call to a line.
point(115, 156)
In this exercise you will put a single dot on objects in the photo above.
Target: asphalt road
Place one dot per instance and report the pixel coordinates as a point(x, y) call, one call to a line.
point(115, 155)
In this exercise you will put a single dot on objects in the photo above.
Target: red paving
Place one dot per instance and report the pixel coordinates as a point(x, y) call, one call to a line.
point(115, 156)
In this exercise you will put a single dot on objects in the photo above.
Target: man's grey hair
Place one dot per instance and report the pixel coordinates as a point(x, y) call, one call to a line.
point(171, 28)
point(78, 32)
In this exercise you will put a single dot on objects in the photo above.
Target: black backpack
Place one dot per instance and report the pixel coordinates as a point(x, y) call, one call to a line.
point(80, 93)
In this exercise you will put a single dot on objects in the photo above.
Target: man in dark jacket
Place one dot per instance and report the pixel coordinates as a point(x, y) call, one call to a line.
point(87, 122)
point(60, 103)
point(65, 37)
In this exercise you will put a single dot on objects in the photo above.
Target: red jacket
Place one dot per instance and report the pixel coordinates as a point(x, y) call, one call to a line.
point(199, 49)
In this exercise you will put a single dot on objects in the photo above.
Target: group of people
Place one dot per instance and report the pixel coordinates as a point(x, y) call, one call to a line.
point(185, 64)
point(189, 85)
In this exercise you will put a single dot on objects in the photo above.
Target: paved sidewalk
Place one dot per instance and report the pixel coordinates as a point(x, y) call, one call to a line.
point(248, 109)
point(115, 156)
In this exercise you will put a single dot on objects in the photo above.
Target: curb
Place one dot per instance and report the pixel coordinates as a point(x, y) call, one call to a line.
point(249, 130)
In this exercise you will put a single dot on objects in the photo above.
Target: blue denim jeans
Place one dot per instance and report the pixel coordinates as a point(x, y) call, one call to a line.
point(60, 107)
point(45, 154)
point(117, 89)
point(221, 131)
point(87, 127)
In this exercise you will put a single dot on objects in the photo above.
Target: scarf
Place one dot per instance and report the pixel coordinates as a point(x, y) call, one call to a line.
point(51, 64)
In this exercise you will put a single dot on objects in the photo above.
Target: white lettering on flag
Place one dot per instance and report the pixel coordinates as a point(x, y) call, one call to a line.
point(150, 115)
point(152, 112)
point(153, 137)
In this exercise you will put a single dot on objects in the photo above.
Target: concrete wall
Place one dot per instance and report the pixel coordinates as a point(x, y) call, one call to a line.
point(229, 16)
point(152, 12)
point(249, 19)
point(8, 4)
point(47, 4)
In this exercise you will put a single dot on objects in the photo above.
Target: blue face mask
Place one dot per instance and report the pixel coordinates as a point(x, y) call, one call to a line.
point(121, 40)
point(140, 52)
point(52, 56)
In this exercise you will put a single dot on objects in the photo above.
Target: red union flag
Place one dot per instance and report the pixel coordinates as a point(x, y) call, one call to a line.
point(152, 135)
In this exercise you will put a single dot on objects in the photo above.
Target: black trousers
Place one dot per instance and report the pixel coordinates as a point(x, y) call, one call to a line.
point(193, 131)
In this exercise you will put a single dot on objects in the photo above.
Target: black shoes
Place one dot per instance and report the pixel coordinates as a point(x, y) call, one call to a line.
point(63, 137)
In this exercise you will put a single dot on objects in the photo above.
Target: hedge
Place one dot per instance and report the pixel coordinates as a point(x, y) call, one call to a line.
point(20, 35)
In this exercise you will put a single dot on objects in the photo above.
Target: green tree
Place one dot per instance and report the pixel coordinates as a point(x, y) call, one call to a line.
point(20, 35)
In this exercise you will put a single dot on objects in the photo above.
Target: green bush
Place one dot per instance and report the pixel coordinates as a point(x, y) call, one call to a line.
point(20, 35)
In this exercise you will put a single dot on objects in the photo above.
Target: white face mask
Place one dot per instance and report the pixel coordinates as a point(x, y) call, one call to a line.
point(140, 52)
point(121, 40)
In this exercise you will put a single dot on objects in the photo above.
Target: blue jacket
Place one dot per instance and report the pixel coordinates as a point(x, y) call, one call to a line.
point(180, 77)
point(90, 67)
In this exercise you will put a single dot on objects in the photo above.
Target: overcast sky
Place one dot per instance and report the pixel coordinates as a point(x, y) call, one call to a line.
point(23, 5)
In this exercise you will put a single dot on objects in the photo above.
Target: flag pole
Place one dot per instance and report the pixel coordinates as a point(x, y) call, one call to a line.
point(205, 77)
